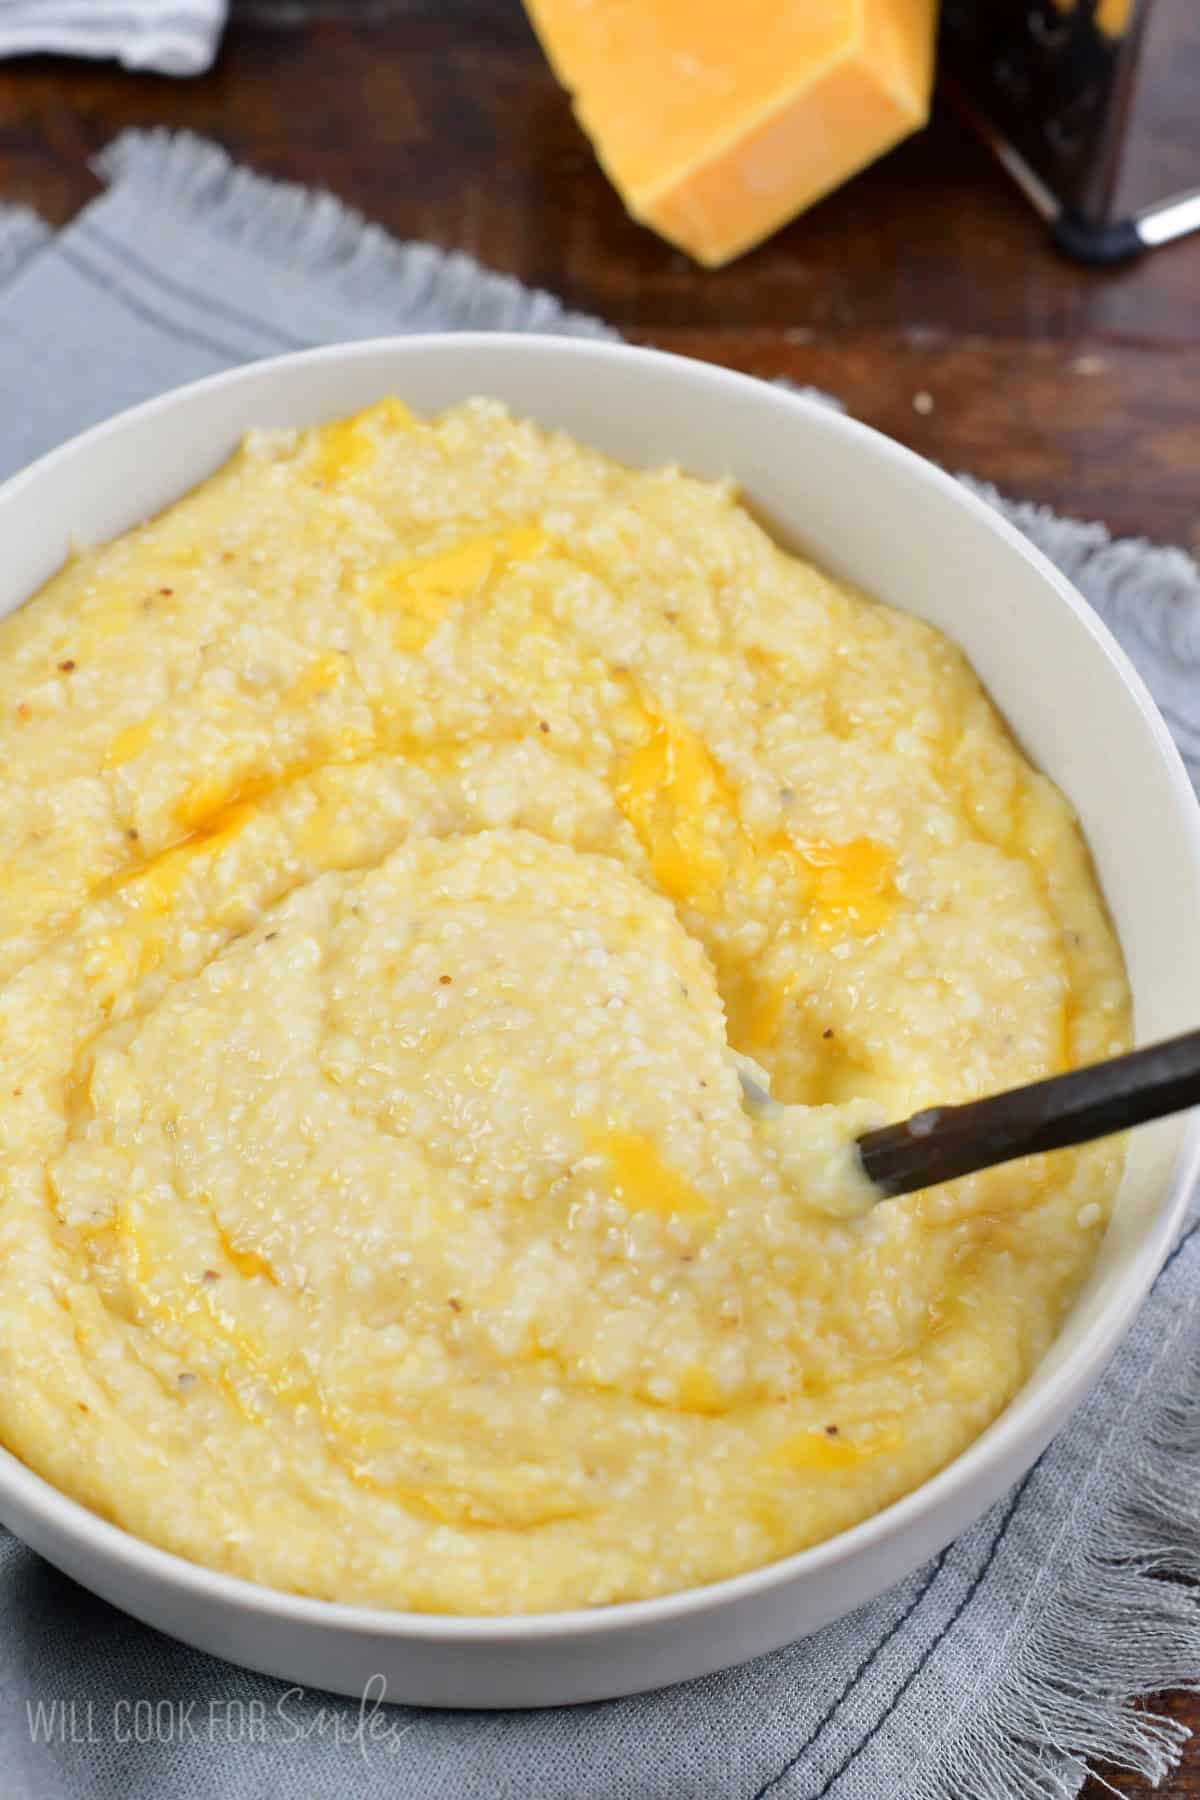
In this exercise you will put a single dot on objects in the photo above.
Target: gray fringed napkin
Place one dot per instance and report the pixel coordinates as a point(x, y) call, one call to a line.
point(172, 37)
point(993, 1673)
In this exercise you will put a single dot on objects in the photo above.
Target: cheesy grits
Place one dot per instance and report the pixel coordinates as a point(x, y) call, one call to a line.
point(404, 842)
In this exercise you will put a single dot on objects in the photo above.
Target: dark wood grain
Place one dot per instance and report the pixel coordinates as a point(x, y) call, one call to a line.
point(922, 294)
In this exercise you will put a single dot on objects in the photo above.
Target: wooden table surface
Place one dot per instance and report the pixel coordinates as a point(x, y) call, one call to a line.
point(923, 294)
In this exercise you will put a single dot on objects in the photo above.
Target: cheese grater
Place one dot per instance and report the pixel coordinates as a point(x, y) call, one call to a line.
point(1061, 90)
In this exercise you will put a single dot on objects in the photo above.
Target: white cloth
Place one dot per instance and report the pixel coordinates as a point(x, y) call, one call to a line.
point(172, 37)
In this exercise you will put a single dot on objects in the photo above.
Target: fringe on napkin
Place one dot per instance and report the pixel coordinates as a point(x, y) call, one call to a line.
point(1127, 1613)
point(311, 230)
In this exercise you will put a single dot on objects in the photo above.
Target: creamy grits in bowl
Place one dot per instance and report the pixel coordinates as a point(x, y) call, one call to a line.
point(423, 798)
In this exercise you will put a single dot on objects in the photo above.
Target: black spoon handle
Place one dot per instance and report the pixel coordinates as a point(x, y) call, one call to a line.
point(945, 1141)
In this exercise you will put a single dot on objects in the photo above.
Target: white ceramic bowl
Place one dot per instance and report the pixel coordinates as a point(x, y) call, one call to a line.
point(873, 512)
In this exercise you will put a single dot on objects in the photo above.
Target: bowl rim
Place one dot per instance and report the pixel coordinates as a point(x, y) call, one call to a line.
point(1021, 1421)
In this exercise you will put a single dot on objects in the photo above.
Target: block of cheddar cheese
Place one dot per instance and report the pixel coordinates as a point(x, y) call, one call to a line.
point(718, 123)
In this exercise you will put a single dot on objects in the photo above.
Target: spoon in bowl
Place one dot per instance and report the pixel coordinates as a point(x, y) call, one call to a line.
point(942, 1142)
